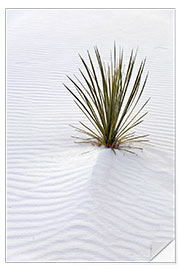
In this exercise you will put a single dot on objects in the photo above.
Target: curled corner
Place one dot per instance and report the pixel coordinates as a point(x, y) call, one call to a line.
point(157, 247)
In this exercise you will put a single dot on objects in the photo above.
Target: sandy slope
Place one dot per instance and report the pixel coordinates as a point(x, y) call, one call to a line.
point(76, 202)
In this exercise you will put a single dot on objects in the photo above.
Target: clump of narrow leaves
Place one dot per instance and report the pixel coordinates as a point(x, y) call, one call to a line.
point(108, 103)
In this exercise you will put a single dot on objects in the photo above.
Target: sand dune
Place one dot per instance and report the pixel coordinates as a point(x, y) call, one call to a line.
point(74, 202)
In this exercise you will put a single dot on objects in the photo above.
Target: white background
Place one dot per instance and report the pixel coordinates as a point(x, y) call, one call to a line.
point(70, 4)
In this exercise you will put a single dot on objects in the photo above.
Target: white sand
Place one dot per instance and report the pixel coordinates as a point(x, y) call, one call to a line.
point(71, 202)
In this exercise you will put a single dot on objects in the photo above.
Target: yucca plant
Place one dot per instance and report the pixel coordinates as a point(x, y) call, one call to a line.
point(107, 102)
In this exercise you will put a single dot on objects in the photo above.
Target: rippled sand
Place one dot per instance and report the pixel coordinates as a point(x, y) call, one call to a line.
point(72, 202)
